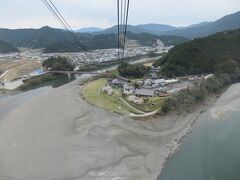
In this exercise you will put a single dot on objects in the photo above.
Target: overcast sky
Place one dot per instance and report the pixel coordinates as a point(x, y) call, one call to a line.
point(102, 13)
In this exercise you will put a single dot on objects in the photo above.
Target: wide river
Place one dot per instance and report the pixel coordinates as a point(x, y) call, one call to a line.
point(12, 100)
point(211, 152)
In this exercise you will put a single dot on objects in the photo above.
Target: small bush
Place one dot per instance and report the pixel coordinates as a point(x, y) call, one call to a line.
point(167, 105)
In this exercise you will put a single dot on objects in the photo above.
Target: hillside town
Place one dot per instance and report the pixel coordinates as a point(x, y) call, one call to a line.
point(21, 60)
point(119, 90)
point(93, 56)
point(104, 55)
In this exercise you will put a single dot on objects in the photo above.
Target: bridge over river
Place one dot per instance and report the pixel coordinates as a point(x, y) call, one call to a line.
point(69, 73)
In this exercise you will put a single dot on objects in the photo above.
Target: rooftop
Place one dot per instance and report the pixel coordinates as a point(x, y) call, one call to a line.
point(144, 92)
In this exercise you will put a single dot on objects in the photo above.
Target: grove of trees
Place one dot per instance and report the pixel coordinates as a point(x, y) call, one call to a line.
point(132, 70)
point(58, 64)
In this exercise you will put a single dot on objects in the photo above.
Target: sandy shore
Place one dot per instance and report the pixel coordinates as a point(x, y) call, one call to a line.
point(228, 102)
point(59, 136)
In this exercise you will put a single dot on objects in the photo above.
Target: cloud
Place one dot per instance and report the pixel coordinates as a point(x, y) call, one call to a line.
point(102, 13)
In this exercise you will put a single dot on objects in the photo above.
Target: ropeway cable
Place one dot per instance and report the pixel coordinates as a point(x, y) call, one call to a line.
point(52, 8)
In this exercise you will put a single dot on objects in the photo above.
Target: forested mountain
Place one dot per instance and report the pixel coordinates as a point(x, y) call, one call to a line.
point(89, 30)
point(130, 28)
point(50, 37)
point(63, 46)
point(103, 41)
point(33, 38)
point(59, 40)
point(106, 41)
point(202, 55)
point(155, 29)
point(7, 48)
point(46, 36)
point(146, 39)
point(229, 22)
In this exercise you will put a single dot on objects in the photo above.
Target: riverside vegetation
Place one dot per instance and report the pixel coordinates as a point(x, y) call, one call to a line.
point(201, 55)
point(218, 54)
point(54, 64)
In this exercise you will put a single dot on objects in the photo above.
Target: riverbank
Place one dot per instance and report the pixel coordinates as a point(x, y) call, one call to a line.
point(58, 135)
point(217, 129)
point(194, 116)
point(44, 80)
point(228, 102)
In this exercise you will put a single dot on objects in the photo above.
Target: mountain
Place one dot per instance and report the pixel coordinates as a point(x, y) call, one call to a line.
point(202, 55)
point(197, 25)
point(33, 38)
point(156, 28)
point(130, 28)
point(59, 40)
point(146, 39)
point(102, 41)
point(46, 36)
point(38, 38)
point(106, 41)
point(89, 30)
point(229, 22)
point(204, 29)
point(62, 46)
point(7, 48)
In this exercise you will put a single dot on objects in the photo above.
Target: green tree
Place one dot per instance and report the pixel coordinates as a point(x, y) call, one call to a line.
point(132, 70)
point(58, 64)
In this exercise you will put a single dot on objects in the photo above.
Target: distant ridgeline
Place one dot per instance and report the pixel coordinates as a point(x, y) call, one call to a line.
point(7, 48)
point(33, 38)
point(229, 22)
point(57, 40)
point(106, 41)
point(146, 39)
point(203, 55)
point(103, 41)
point(204, 29)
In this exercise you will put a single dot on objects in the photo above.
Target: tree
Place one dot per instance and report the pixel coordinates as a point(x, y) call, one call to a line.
point(135, 84)
point(132, 70)
point(58, 64)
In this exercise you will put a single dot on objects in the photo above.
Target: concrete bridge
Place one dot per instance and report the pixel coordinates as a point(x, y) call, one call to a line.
point(69, 73)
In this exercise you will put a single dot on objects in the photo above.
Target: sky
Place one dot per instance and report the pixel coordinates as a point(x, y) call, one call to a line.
point(103, 13)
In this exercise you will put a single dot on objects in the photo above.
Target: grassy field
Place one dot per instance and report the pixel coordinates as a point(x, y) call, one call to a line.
point(92, 93)
point(150, 104)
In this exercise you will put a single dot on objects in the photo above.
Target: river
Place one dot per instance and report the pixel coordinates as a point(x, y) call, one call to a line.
point(14, 99)
point(211, 152)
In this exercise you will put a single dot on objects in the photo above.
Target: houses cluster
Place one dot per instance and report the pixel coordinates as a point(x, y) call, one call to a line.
point(142, 88)
point(105, 55)
point(200, 77)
